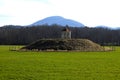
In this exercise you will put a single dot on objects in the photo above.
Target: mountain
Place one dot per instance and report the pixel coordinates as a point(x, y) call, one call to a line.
point(107, 27)
point(102, 26)
point(12, 26)
point(59, 21)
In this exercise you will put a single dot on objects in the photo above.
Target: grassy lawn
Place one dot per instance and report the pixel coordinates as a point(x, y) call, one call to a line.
point(59, 65)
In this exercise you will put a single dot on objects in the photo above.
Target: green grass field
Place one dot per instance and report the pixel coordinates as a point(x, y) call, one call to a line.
point(59, 65)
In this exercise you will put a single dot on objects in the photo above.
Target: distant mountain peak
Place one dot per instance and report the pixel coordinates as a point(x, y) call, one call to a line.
point(59, 21)
point(102, 26)
point(55, 17)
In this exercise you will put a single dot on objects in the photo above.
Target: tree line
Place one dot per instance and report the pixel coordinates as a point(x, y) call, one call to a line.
point(23, 35)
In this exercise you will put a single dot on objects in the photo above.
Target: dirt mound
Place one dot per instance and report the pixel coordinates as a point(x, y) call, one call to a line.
point(64, 44)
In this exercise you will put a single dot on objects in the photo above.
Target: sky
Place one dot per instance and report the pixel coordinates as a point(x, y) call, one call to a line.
point(89, 12)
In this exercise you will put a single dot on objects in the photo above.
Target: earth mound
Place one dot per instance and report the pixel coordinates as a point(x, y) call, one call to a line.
point(64, 44)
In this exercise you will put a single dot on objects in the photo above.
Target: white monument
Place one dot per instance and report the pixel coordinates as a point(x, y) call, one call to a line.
point(66, 33)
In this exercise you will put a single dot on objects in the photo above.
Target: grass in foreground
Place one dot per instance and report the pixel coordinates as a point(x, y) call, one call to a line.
point(59, 65)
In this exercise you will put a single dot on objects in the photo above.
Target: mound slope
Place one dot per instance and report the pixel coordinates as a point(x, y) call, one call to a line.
point(64, 44)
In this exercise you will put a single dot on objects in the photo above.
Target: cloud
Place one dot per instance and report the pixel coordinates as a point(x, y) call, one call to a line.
point(89, 12)
point(25, 10)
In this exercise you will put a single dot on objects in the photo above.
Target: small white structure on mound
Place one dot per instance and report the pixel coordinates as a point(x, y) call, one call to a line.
point(66, 33)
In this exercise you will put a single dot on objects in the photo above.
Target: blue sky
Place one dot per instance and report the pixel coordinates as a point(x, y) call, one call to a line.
point(89, 12)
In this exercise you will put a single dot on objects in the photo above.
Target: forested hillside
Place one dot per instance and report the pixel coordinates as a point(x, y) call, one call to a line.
point(22, 35)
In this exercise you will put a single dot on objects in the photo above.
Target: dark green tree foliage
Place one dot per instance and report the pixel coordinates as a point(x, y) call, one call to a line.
point(22, 35)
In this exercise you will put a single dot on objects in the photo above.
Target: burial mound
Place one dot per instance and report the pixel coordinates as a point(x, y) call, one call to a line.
point(64, 44)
